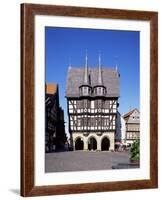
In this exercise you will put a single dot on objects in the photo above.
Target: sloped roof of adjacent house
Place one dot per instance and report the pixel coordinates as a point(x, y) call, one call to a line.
point(51, 92)
point(130, 112)
point(51, 88)
point(75, 79)
point(131, 116)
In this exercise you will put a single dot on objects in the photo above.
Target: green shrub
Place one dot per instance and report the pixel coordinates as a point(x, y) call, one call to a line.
point(135, 150)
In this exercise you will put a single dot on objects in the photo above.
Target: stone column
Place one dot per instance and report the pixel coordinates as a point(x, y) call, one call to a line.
point(98, 143)
point(73, 139)
point(85, 144)
point(112, 139)
point(73, 146)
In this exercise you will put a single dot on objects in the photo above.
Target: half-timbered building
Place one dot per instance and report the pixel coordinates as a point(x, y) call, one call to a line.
point(132, 126)
point(92, 101)
point(55, 136)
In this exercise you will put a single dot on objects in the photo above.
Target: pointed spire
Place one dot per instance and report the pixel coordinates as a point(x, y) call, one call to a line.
point(70, 64)
point(99, 71)
point(86, 69)
point(116, 67)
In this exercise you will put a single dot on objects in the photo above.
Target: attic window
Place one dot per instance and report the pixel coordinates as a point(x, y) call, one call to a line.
point(85, 90)
point(99, 90)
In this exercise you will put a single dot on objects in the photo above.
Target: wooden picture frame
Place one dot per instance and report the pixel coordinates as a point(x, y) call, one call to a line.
point(28, 12)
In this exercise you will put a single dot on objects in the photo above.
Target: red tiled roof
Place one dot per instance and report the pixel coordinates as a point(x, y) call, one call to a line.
point(51, 88)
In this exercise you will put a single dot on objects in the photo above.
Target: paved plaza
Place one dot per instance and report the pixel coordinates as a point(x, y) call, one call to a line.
point(85, 160)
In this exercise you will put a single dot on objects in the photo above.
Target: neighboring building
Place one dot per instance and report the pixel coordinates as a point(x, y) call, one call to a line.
point(55, 131)
point(61, 136)
point(123, 131)
point(120, 129)
point(92, 100)
point(132, 126)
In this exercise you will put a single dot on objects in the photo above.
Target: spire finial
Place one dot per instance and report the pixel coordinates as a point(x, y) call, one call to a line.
point(86, 59)
point(99, 60)
point(116, 67)
point(116, 60)
point(69, 63)
point(86, 69)
point(99, 70)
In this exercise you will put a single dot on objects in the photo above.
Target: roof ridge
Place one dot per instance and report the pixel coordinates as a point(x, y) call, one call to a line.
point(130, 112)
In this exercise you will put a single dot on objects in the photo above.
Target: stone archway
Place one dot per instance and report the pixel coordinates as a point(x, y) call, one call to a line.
point(79, 144)
point(105, 144)
point(92, 144)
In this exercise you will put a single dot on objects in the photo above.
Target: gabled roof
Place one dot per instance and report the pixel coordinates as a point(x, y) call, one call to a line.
point(130, 112)
point(51, 88)
point(75, 79)
point(132, 117)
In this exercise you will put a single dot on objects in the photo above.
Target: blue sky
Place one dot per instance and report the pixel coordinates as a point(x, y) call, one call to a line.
point(64, 46)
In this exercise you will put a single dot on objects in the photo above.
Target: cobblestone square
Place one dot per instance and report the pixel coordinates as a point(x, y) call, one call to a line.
point(84, 160)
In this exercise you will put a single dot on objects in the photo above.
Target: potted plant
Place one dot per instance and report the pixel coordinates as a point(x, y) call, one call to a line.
point(135, 152)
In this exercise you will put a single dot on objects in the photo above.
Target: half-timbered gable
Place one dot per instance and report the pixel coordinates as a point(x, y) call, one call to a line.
point(132, 125)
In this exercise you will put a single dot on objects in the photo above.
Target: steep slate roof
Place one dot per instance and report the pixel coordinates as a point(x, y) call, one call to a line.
point(75, 79)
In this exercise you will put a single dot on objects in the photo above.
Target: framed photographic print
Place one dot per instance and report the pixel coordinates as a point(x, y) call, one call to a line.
point(89, 101)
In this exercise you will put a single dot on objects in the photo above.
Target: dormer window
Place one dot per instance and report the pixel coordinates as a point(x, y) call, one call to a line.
point(85, 90)
point(99, 90)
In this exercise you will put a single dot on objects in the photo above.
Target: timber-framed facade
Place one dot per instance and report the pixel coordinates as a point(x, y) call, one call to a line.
point(92, 101)
point(132, 126)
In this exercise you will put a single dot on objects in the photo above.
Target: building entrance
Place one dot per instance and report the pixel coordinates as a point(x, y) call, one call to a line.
point(92, 144)
point(79, 144)
point(105, 144)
